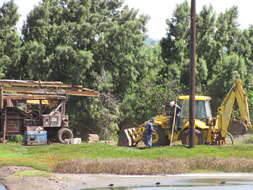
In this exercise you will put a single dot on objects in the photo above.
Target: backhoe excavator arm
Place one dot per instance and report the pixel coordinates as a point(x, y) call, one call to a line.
point(225, 110)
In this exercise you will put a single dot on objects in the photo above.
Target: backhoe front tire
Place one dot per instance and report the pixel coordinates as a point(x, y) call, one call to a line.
point(159, 138)
point(64, 133)
point(198, 137)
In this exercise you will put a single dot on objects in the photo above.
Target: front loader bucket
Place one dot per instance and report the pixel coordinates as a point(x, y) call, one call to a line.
point(130, 136)
point(125, 137)
point(123, 140)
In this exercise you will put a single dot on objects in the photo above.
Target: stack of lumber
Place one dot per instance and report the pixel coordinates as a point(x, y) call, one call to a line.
point(36, 88)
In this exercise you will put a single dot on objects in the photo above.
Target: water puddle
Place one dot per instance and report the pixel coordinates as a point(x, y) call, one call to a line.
point(195, 184)
point(2, 187)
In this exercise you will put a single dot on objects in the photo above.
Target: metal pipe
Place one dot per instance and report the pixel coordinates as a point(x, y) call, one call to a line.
point(192, 74)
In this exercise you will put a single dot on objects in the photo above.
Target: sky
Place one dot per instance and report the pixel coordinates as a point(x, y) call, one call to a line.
point(160, 10)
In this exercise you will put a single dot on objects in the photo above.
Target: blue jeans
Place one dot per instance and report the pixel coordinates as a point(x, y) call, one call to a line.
point(148, 140)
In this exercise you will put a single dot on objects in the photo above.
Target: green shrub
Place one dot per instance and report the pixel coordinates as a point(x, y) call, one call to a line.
point(16, 138)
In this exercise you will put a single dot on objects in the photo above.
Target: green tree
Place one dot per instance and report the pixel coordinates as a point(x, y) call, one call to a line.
point(224, 52)
point(150, 95)
point(206, 51)
point(10, 42)
point(244, 48)
point(227, 31)
point(176, 49)
point(96, 43)
point(217, 36)
point(34, 59)
point(175, 46)
point(96, 36)
point(228, 69)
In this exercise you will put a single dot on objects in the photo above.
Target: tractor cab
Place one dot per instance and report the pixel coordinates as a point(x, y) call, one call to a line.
point(202, 107)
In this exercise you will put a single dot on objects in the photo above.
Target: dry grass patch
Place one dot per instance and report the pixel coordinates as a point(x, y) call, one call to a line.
point(223, 164)
point(123, 166)
point(147, 167)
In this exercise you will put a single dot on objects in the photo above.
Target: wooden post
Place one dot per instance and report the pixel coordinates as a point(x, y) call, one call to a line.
point(173, 124)
point(192, 74)
point(4, 127)
point(40, 110)
point(2, 112)
point(1, 98)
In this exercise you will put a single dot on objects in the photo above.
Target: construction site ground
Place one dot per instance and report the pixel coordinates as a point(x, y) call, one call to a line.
point(34, 166)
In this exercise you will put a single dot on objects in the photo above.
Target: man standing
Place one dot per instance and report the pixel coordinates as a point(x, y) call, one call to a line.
point(149, 128)
point(174, 114)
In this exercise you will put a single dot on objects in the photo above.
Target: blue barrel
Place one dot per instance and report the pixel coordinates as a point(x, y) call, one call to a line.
point(35, 138)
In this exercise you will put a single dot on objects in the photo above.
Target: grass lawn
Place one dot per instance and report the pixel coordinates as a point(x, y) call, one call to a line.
point(32, 173)
point(48, 156)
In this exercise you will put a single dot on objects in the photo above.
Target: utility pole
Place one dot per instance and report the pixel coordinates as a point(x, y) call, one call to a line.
point(192, 74)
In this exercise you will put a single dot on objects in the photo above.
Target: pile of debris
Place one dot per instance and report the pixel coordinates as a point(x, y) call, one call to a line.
point(28, 105)
point(93, 138)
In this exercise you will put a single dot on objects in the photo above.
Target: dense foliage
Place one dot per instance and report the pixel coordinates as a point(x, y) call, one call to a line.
point(221, 51)
point(101, 45)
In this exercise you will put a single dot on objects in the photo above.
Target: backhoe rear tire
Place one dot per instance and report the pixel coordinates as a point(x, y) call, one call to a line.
point(198, 137)
point(64, 133)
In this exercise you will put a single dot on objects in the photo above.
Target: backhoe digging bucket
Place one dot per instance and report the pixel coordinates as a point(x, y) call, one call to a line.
point(237, 128)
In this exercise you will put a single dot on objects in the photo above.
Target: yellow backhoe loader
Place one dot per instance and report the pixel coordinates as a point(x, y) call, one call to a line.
point(208, 130)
